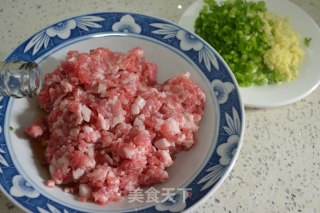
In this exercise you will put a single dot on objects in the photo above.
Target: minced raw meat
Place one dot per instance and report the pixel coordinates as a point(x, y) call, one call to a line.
point(110, 126)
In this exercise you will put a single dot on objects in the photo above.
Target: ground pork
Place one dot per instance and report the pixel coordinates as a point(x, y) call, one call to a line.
point(110, 126)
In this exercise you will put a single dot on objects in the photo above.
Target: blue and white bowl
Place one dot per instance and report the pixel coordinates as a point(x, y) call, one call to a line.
point(195, 174)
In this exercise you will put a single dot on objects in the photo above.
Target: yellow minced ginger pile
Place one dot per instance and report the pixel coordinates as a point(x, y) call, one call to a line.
point(286, 53)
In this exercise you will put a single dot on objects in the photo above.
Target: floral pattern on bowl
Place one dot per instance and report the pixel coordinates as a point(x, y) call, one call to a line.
point(22, 188)
point(126, 25)
point(62, 30)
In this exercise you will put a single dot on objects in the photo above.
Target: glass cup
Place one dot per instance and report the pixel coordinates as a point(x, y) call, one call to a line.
point(20, 79)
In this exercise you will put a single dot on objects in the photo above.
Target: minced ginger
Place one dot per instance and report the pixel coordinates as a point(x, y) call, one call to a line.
point(286, 53)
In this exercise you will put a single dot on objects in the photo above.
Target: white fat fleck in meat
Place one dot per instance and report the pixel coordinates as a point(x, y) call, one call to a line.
point(76, 174)
point(125, 101)
point(99, 74)
point(166, 87)
point(89, 134)
point(130, 186)
point(90, 152)
point(85, 190)
point(74, 132)
point(129, 153)
point(77, 113)
point(188, 122)
point(53, 79)
point(131, 78)
point(188, 143)
point(137, 105)
point(99, 69)
point(119, 118)
point(140, 102)
point(58, 100)
point(135, 109)
point(100, 173)
point(96, 136)
point(66, 86)
point(50, 183)
point(187, 75)
point(87, 129)
point(104, 123)
point(91, 97)
point(116, 159)
point(67, 190)
point(90, 164)
point(162, 94)
point(139, 52)
point(122, 173)
point(165, 158)
point(77, 93)
point(84, 66)
point(113, 100)
point(73, 58)
point(181, 138)
point(139, 122)
point(101, 197)
point(174, 126)
point(196, 118)
point(63, 104)
point(85, 113)
point(62, 163)
point(58, 123)
point(114, 69)
point(102, 88)
point(86, 147)
point(163, 144)
point(58, 182)
point(159, 122)
point(109, 159)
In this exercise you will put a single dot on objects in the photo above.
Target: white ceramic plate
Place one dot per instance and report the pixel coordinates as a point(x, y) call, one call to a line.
point(286, 93)
point(199, 171)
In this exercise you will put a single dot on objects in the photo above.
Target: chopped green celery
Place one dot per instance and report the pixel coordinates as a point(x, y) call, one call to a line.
point(307, 41)
point(234, 29)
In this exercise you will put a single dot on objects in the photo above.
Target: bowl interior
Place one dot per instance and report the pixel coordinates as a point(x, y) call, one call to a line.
point(21, 112)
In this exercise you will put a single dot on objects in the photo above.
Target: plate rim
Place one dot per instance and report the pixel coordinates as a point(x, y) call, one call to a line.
point(273, 103)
